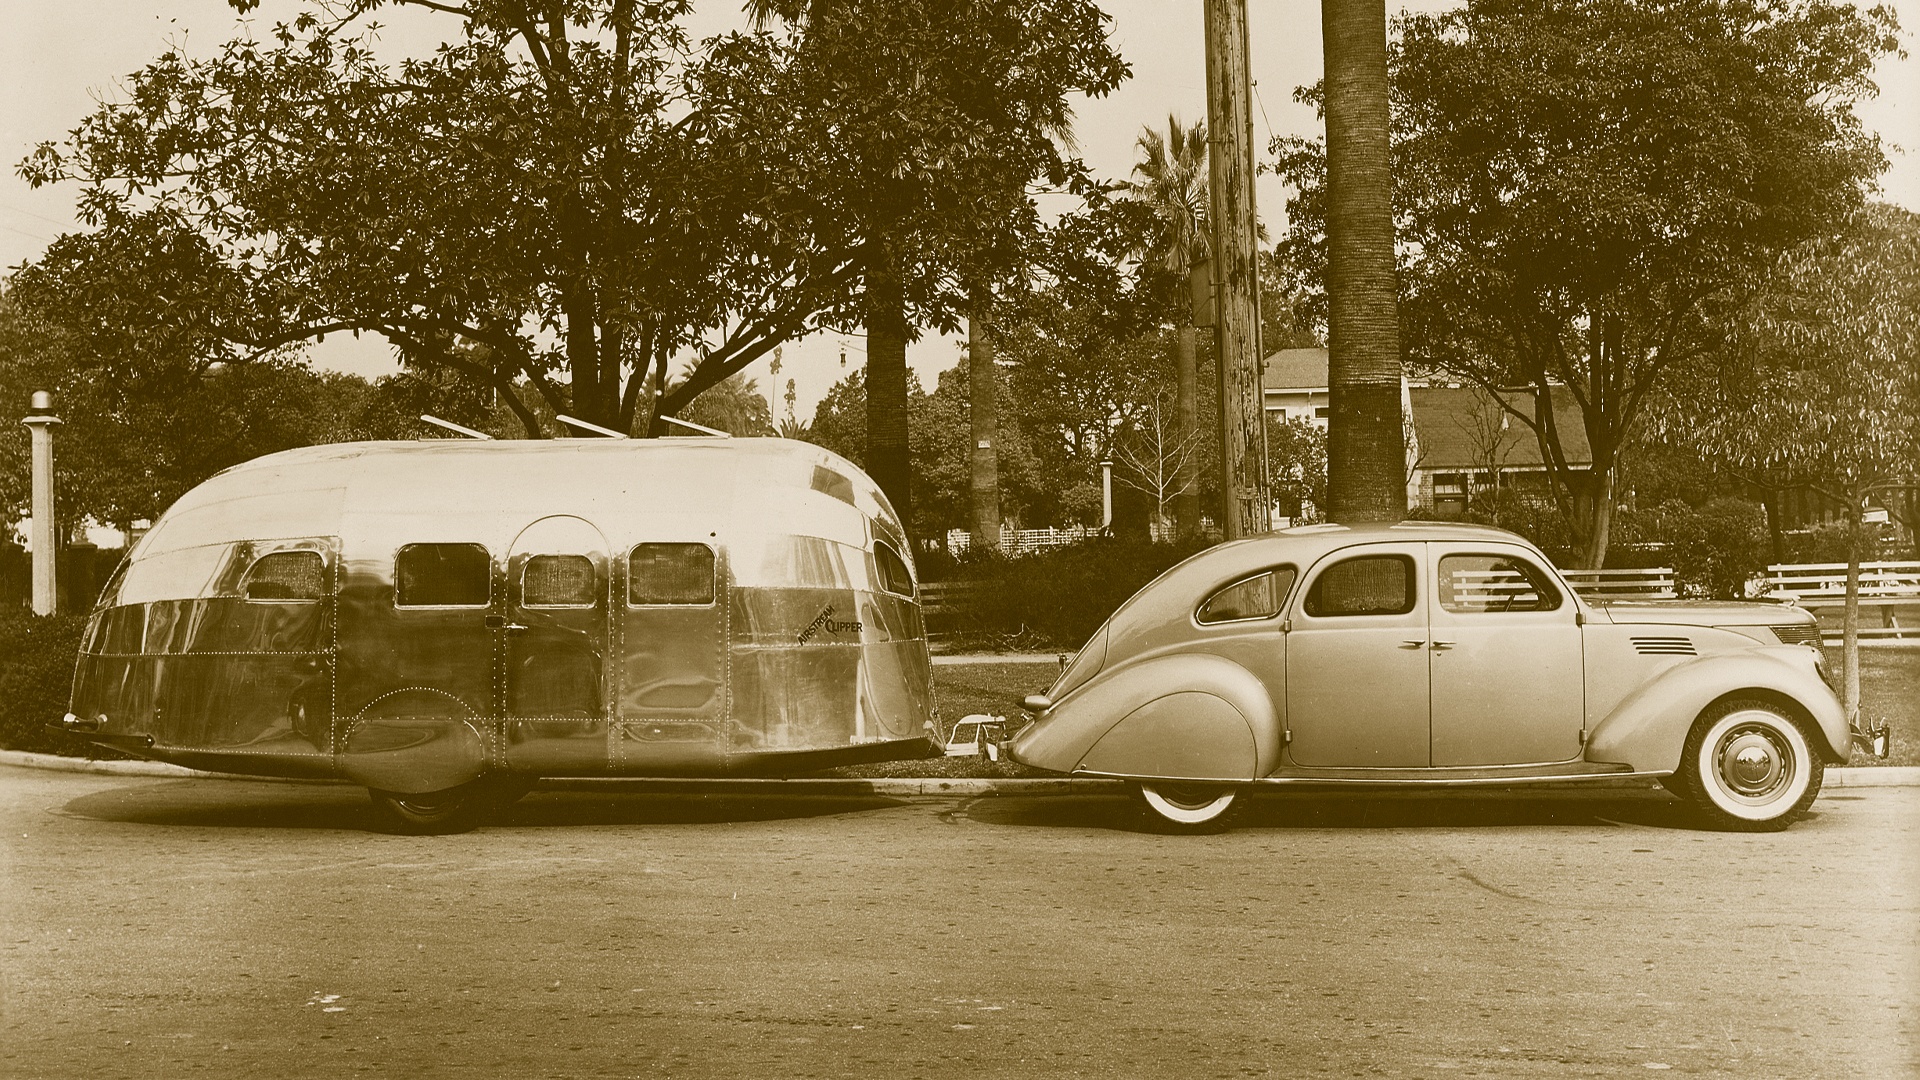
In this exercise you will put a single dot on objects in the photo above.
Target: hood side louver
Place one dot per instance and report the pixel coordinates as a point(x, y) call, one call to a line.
point(1664, 646)
point(1797, 634)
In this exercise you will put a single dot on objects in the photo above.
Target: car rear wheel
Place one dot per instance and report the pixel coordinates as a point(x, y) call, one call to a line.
point(1187, 807)
point(1747, 767)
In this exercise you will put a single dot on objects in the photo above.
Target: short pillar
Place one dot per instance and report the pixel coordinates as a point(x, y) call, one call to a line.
point(40, 421)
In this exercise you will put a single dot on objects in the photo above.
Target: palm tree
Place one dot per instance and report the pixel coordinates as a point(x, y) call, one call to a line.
point(1172, 180)
point(1366, 448)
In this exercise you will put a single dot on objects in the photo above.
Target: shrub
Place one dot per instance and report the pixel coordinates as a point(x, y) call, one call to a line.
point(1056, 599)
point(37, 654)
point(1716, 549)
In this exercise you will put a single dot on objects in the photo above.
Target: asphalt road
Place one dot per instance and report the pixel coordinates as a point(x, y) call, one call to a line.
point(173, 928)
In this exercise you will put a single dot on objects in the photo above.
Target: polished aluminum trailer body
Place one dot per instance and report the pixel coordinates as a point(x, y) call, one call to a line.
point(417, 616)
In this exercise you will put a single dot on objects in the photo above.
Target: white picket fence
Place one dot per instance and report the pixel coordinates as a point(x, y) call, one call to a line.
point(1890, 588)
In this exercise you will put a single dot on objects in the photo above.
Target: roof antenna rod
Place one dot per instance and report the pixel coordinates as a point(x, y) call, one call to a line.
point(584, 426)
point(451, 426)
point(701, 428)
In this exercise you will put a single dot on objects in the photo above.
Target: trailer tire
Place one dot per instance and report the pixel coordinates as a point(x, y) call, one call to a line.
point(434, 813)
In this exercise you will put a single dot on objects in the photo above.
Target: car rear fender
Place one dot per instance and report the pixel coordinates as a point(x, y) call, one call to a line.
point(1183, 715)
point(1648, 728)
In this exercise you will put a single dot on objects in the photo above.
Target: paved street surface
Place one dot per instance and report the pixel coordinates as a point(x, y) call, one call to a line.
point(173, 928)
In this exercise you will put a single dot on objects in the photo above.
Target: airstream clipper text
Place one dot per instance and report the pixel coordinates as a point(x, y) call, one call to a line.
point(443, 621)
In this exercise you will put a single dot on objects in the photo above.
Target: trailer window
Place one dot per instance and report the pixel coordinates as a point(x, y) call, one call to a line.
point(557, 581)
point(670, 574)
point(442, 575)
point(894, 577)
point(286, 575)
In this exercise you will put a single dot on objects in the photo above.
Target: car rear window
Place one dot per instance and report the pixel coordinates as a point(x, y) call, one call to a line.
point(1257, 597)
point(1368, 585)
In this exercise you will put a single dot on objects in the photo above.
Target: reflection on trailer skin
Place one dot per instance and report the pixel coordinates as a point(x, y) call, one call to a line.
point(441, 618)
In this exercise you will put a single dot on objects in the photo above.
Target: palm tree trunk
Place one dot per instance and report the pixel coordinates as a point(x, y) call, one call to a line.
point(1366, 447)
point(888, 449)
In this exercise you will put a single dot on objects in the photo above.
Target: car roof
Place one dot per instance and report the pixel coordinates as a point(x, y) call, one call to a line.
point(1169, 598)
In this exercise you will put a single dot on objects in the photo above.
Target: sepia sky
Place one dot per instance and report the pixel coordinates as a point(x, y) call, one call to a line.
point(58, 60)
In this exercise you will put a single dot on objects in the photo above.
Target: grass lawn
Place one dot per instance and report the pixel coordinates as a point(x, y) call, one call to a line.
point(1889, 689)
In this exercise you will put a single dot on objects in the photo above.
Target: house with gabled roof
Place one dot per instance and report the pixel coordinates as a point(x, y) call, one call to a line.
point(1461, 442)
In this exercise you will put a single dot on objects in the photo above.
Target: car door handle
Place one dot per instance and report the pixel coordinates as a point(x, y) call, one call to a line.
point(1443, 644)
point(499, 622)
point(1413, 643)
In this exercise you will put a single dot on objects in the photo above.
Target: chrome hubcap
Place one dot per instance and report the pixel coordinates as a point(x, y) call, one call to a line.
point(1753, 762)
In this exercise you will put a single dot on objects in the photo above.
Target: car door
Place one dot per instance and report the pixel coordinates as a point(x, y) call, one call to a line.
point(1506, 667)
point(1357, 693)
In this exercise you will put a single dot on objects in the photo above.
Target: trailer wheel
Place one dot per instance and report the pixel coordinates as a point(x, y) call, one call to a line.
point(440, 813)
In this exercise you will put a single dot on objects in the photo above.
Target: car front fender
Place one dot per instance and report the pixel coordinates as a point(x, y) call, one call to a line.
point(1648, 729)
point(1183, 716)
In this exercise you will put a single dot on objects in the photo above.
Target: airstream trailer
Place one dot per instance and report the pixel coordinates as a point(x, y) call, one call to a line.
point(444, 621)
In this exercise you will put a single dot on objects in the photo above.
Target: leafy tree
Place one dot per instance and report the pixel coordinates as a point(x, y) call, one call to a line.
point(935, 117)
point(581, 190)
point(735, 407)
point(1581, 184)
point(1820, 375)
point(1297, 468)
point(148, 413)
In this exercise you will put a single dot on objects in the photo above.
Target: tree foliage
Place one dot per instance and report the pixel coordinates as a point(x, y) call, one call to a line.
point(562, 197)
point(1580, 185)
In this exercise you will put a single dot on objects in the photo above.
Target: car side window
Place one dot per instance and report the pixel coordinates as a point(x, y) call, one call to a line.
point(670, 574)
point(286, 575)
point(442, 575)
point(1367, 585)
point(1257, 597)
point(1470, 584)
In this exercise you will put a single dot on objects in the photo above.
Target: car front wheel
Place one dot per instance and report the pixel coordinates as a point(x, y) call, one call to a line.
point(1748, 767)
point(1183, 807)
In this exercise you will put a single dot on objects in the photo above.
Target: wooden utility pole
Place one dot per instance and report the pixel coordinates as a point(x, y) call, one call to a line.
point(983, 387)
point(1236, 273)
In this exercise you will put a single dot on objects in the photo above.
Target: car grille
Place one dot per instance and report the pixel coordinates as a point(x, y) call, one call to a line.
point(1797, 633)
point(1664, 646)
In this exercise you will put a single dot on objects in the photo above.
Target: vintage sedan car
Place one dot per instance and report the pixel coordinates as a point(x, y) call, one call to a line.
point(1428, 653)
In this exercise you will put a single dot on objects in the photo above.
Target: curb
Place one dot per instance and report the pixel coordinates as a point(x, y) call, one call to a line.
point(1846, 777)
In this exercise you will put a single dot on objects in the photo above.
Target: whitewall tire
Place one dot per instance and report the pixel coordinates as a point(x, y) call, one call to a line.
point(1187, 807)
point(1748, 767)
